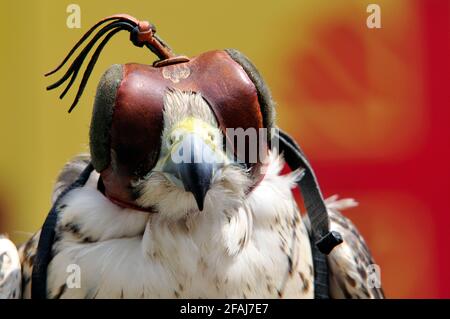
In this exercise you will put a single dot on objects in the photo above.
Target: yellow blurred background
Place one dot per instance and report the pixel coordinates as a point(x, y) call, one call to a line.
point(351, 96)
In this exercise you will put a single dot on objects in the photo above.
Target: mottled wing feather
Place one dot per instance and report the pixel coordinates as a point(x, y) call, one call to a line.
point(27, 251)
point(10, 275)
point(69, 174)
point(351, 264)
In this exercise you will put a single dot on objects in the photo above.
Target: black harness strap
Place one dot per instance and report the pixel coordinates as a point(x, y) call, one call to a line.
point(323, 240)
point(47, 237)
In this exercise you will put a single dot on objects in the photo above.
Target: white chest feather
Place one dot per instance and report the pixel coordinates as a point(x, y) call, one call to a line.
point(260, 249)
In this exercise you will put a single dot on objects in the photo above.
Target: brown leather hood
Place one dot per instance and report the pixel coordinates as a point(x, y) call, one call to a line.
point(127, 120)
point(137, 121)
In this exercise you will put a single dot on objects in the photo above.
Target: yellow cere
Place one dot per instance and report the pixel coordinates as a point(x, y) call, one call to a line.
point(199, 127)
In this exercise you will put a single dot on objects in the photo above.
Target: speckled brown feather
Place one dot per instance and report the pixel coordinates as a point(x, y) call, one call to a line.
point(350, 262)
point(27, 251)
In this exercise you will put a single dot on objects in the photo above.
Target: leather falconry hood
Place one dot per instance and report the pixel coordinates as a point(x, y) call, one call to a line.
point(127, 119)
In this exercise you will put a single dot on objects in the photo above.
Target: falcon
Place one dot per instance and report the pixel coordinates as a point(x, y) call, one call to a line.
point(177, 198)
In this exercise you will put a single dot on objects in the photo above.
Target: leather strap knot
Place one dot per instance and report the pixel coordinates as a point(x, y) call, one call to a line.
point(142, 34)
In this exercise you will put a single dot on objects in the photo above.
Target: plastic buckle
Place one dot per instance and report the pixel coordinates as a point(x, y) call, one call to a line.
point(329, 241)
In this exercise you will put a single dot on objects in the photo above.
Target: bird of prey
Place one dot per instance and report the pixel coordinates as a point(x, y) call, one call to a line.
point(201, 229)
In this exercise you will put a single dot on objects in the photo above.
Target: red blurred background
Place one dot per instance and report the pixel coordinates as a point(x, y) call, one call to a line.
point(373, 114)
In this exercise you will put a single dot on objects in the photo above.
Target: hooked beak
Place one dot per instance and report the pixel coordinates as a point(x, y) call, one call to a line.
point(193, 163)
